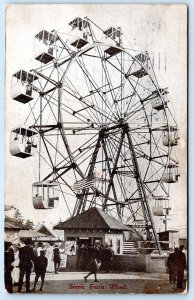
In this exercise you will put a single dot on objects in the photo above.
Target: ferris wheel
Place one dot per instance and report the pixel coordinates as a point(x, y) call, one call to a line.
point(99, 124)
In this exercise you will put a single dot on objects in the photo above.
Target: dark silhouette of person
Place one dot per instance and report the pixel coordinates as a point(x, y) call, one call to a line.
point(95, 262)
point(40, 265)
point(81, 257)
point(8, 260)
point(172, 266)
point(107, 258)
point(181, 266)
point(26, 257)
point(56, 258)
point(85, 256)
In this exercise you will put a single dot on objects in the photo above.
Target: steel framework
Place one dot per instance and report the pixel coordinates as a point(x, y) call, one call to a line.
point(95, 116)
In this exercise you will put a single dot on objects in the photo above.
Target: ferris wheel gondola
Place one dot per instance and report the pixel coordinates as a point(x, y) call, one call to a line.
point(23, 142)
point(22, 86)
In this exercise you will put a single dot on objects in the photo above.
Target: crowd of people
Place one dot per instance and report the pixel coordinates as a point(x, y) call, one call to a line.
point(176, 264)
point(20, 260)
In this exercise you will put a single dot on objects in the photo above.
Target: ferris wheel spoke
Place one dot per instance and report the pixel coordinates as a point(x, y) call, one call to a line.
point(120, 177)
point(87, 147)
point(93, 99)
point(85, 158)
point(108, 80)
point(88, 104)
point(31, 113)
point(83, 199)
point(124, 80)
point(131, 104)
point(65, 199)
point(120, 70)
point(48, 79)
point(49, 104)
point(42, 109)
point(57, 166)
point(114, 169)
point(94, 85)
point(46, 161)
point(121, 183)
point(109, 173)
point(56, 147)
point(48, 153)
point(64, 44)
point(132, 116)
point(72, 87)
point(112, 88)
point(154, 177)
point(64, 108)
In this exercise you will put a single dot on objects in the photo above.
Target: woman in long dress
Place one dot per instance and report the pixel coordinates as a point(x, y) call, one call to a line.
point(49, 256)
point(16, 270)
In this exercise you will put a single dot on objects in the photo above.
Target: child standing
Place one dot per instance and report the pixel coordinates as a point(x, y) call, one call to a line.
point(40, 265)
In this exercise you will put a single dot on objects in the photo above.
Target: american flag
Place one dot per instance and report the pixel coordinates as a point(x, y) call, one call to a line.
point(84, 183)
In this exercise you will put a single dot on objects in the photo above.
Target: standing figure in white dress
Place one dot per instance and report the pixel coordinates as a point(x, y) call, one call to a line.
point(49, 256)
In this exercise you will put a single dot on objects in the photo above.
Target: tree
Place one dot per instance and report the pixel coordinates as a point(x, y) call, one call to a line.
point(19, 217)
point(29, 224)
point(21, 221)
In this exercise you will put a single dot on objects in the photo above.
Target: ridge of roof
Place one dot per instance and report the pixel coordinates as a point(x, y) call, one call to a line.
point(51, 232)
point(93, 218)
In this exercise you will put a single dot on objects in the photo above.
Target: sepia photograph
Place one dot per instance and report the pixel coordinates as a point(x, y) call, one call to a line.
point(95, 149)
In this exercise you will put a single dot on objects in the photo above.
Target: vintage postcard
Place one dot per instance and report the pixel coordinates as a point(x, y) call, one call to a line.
point(96, 149)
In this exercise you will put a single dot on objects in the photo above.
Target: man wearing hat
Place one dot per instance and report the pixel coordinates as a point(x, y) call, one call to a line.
point(8, 260)
point(26, 257)
point(56, 258)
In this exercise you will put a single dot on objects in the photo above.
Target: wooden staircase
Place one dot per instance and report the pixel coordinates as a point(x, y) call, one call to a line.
point(129, 248)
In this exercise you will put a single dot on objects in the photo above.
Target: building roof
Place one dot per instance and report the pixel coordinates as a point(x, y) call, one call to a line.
point(13, 223)
point(43, 228)
point(49, 234)
point(30, 234)
point(94, 218)
point(171, 230)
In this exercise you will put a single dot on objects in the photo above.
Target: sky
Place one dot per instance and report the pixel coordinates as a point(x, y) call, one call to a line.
point(157, 29)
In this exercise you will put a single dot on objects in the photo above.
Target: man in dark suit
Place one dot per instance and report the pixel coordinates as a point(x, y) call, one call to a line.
point(56, 258)
point(8, 260)
point(26, 257)
point(95, 261)
point(181, 266)
point(172, 265)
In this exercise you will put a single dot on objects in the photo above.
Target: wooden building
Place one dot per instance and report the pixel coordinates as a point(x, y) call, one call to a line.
point(12, 230)
point(170, 237)
point(94, 225)
point(84, 230)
